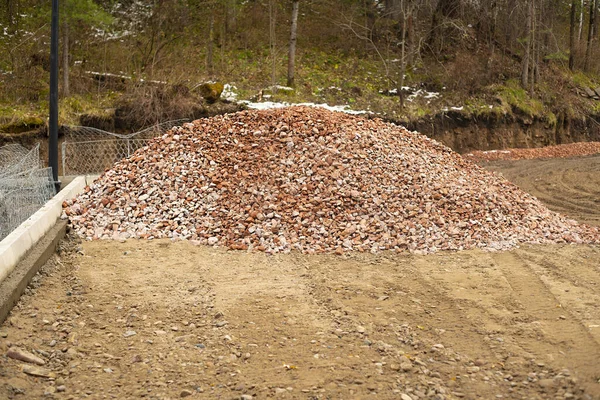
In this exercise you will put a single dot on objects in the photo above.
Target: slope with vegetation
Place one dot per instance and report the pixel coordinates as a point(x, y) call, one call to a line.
point(474, 74)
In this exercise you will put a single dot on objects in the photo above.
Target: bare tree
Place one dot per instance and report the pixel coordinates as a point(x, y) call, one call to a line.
point(272, 42)
point(292, 50)
point(525, 66)
point(591, 35)
point(573, 34)
point(210, 45)
point(580, 20)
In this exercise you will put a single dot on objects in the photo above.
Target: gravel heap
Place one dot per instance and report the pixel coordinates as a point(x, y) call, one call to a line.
point(312, 180)
point(559, 151)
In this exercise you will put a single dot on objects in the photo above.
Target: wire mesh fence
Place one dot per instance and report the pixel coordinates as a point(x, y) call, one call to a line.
point(25, 185)
point(87, 150)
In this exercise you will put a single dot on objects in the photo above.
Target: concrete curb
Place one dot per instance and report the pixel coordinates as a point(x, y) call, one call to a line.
point(16, 245)
point(13, 287)
point(28, 247)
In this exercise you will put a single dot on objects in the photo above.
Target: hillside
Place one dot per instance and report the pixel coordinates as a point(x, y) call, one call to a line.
point(475, 75)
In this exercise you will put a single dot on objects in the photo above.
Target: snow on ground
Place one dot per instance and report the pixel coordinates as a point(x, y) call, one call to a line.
point(229, 92)
point(265, 105)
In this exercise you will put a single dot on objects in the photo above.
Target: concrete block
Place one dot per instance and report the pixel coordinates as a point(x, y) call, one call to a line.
point(16, 245)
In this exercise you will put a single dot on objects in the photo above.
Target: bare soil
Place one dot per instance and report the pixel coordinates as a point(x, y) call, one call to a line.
point(570, 186)
point(162, 319)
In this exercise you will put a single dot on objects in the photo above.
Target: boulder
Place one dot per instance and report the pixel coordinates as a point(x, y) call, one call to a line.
point(211, 91)
point(589, 92)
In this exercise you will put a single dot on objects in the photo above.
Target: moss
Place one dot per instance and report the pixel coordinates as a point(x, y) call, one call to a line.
point(581, 79)
point(550, 119)
point(211, 91)
point(512, 94)
point(24, 124)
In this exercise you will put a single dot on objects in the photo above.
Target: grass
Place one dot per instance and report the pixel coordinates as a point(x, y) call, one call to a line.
point(336, 78)
point(513, 94)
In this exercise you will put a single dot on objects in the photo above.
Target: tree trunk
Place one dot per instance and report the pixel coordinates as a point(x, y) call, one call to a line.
point(11, 15)
point(528, 43)
point(591, 35)
point(66, 91)
point(272, 42)
point(534, 48)
point(573, 35)
point(211, 38)
point(403, 52)
point(445, 9)
point(411, 39)
point(292, 52)
point(580, 21)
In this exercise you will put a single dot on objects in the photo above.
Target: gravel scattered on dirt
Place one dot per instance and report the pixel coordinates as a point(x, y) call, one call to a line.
point(316, 181)
point(559, 151)
point(472, 324)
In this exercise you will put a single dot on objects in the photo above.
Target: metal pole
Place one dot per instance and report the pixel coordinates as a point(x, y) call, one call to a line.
point(53, 123)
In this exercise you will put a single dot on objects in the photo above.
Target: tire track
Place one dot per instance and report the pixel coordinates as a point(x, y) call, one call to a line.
point(568, 186)
point(565, 340)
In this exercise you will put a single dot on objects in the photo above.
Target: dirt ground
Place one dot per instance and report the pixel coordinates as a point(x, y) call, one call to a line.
point(570, 186)
point(160, 320)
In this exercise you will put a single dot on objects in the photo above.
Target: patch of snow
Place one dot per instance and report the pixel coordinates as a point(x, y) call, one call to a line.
point(266, 105)
point(457, 108)
point(282, 88)
point(229, 92)
point(496, 151)
point(431, 95)
point(122, 76)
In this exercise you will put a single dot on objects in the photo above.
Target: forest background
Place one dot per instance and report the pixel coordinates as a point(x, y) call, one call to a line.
point(529, 60)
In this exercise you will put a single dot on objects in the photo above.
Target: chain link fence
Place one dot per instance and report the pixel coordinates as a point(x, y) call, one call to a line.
point(25, 185)
point(87, 150)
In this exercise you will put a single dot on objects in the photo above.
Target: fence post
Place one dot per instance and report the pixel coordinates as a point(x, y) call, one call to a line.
point(63, 149)
point(53, 123)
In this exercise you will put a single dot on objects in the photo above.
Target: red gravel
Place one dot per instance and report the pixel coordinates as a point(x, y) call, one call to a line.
point(559, 151)
point(314, 181)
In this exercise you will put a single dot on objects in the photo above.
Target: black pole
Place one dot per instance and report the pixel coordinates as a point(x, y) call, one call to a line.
point(53, 142)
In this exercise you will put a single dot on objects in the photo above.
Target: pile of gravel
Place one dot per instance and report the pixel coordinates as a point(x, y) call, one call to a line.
point(316, 181)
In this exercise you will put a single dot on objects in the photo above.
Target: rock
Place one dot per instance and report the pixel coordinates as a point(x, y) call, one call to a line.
point(220, 324)
point(589, 92)
point(129, 333)
point(61, 388)
point(360, 329)
point(309, 194)
point(547, 383)
point(404, 396)
point(211, 91)
point(37, 371)
point(185, 393)
point(23, 355)
point(246, 397)
point(3, 334)
point(50, 390)
point(406, 366)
